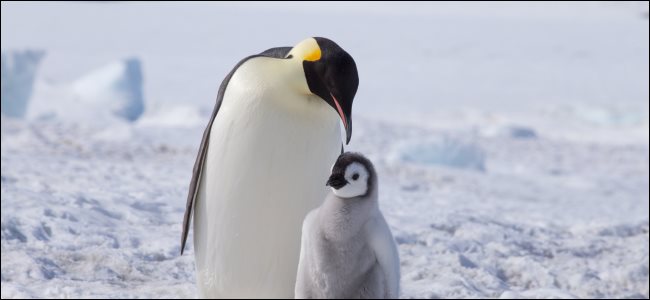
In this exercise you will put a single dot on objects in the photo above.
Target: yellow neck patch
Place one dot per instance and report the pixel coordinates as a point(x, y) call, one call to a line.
point(313, 56)
point(308, 50)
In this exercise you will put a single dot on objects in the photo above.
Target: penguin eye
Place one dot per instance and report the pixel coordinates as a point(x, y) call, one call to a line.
point(355, 176)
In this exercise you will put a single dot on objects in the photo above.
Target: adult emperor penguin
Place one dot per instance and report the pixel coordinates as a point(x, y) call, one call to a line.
point(347, 249)
point(265, 154)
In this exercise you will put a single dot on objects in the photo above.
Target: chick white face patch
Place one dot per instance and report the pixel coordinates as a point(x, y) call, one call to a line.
point(357, 177)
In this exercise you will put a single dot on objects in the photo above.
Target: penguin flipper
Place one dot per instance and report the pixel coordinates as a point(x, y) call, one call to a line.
point(383, 244)
point(278, 52)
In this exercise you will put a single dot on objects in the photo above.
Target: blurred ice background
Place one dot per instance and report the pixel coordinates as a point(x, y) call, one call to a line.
point(511, 139)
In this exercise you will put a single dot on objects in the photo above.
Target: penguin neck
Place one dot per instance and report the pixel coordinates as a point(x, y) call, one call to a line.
point(343, 218)
point(268, 77)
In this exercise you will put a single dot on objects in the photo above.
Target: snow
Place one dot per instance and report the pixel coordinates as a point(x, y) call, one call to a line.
point(18, 73)
point(102, 96)
point(117, 87)
point(511, 141)
point(445, 151)
point(185, 116)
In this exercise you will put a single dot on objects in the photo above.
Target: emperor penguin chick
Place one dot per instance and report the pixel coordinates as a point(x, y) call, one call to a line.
point(347, 249)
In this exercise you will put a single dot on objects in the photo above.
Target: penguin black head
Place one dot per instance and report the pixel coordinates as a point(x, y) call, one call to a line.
point(353, 175)
point(331, 74)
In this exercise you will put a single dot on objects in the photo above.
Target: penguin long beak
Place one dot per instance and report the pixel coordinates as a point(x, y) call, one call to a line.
point(347, 121)
point(338, 96)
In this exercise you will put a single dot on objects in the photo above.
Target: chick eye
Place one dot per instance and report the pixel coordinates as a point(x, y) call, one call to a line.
point(355, 176)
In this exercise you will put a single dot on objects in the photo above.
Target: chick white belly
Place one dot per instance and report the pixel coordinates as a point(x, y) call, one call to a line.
point(265, 169)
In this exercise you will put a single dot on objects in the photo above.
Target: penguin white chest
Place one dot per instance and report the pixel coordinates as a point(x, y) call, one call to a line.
point(269, 155)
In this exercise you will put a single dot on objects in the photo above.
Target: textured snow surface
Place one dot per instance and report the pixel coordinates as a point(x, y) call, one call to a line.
point(89, 213)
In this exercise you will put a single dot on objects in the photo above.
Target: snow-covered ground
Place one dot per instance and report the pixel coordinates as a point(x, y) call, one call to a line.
point(511, 140)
